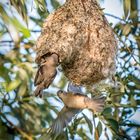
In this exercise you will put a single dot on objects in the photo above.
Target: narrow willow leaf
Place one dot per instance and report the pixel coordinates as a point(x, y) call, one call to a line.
point(13, 85)
point(22, 90)
point(99, 128)
point(107, 112)
point(90, 125)
point(127, 6)
point(21, 28)
point(113, 124)
point(23, 74)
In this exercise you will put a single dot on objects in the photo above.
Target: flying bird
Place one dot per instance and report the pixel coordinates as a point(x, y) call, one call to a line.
point(73, 104)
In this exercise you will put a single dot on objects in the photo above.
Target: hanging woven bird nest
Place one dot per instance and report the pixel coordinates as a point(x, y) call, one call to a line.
point(79, 34)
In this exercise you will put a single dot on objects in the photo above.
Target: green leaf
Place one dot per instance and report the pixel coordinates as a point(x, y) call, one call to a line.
point(22, 90)
point(127, 6)
point(107, 112)
point(90, 125)
point(4, 73)
point(99, 128)
point(55, 4)
point(21, 28)
point(13, 85)
point(114, 125)
point(23, 74)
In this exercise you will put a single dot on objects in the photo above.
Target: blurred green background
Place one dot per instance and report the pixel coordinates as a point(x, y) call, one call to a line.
point(22, 116)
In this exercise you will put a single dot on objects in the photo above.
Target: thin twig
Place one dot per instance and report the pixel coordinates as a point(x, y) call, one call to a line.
point(110, 15)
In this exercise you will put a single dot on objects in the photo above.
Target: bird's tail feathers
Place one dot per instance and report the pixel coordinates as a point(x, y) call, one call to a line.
point(38, 92)
point(96, 104)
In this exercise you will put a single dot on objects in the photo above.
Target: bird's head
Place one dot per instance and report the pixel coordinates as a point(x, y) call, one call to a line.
point(52, 60)
point(61, 94)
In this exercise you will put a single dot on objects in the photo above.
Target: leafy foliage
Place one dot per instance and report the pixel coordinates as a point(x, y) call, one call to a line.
point(25, 117)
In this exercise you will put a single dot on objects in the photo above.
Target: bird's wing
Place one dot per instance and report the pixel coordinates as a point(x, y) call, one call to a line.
point(39, 76)
point(74, 88)
point(63, 118)
point(49, 78)
point(96, 103)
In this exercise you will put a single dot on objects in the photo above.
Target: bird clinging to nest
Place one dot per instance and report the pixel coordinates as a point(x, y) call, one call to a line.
point(45, 74)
